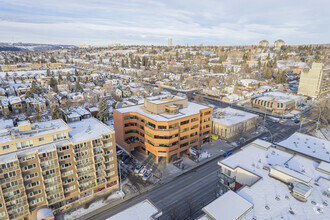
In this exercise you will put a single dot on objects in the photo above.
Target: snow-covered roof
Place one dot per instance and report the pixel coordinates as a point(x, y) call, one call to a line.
point(229, 116)
point(308, 145)
point(44, 213)
point(6, 123)
point(192, 109)
point(38, 129)
point(270, 197)
point(87, 129)
point(222, 207)
point(141, 211)
point(14, 100)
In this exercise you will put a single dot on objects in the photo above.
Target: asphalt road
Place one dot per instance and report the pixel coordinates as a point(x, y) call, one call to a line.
point(182, 197)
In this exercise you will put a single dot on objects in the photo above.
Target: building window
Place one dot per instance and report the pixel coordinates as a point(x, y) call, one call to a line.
point(2, 214)
point(70, 188)
point(5, 147)
point(36, 201)
point(41, 139)
point(29, 157)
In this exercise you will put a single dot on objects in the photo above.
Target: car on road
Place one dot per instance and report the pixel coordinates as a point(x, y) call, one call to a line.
point(147, 176)
point(143, 171)
point(296, 121)
point(138, 168)
point(264, 138)
point(227, 154)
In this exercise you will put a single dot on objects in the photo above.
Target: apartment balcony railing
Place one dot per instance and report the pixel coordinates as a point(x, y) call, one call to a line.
point(84, 165)
point(87, 187)
point(51, 175)
point(84, 156)
point(52, 201)
point(51, 192)
point(6, 170)
point(12, 188)
point(48, 167)
point(19, 195)
point(17, 215)
point(43, 159)
point(51, 184)
point(86, 180)
point(85, 172)
point(17, 205)
point(10, 179)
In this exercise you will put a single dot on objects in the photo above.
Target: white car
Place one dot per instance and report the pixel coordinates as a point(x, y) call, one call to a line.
point(119, 152)
point(147, 176)
point(142, 172)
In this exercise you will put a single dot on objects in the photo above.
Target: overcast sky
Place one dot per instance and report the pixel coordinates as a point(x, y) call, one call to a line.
point(208, 22)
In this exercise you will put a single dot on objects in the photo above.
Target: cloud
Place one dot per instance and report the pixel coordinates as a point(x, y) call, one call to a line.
point(152, 22)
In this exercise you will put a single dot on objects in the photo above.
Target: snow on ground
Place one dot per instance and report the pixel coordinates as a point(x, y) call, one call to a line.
point(204, 155)
point(93, 206)
point(82, 211)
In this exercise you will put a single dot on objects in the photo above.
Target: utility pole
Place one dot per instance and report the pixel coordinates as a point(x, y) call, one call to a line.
point(318, 120)
point(120, 182)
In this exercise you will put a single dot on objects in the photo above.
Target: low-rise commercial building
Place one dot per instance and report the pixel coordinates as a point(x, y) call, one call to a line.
point(51, 164)
point(165, 126)
point(229, 123)
point(262, 182)
point(277, 102)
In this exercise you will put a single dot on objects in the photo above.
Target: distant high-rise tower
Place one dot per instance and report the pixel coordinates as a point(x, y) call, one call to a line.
point(314, 82)
point(170, 42)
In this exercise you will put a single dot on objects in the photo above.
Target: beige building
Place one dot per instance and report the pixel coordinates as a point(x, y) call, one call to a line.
point(54, 165)
point(264, 43)
point(164, 126)
point(229, 123)
point(279, 43)
point(314, 82)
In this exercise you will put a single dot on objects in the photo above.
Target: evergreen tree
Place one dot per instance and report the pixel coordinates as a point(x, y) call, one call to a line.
point(52, 83)
point(7, 76)
point(60, 77)
point(103, 110)
point(77, 87)
point(35, 88)
point(48, 72)
point(236, 91)
point(56, 113)
point(68, 76)
point(268, 74)
point(75, 72)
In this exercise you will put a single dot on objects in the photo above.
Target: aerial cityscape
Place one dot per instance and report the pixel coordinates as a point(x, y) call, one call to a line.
point(174, 110)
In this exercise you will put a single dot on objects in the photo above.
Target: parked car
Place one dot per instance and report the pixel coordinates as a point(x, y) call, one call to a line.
point(147, 176)
point(227, 154)
point(296, 121)
point(119, 152)
point(143, 171)
point(264, 138)
point(127, 160)
point(124, 157)
point(138, 168)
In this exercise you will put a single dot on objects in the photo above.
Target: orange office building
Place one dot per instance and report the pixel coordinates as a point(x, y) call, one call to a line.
point(165, 126)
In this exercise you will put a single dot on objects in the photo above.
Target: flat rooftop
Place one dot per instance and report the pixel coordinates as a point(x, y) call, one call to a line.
point(229, 116)
point(222, 207)
point(141, 211)
point(192, 109)
point(308, 145)
point(38, 129)
point(268, 191)
point(87, 129)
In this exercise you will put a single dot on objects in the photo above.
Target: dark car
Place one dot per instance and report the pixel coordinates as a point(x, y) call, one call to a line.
point(227, 154)
point(296, 121)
